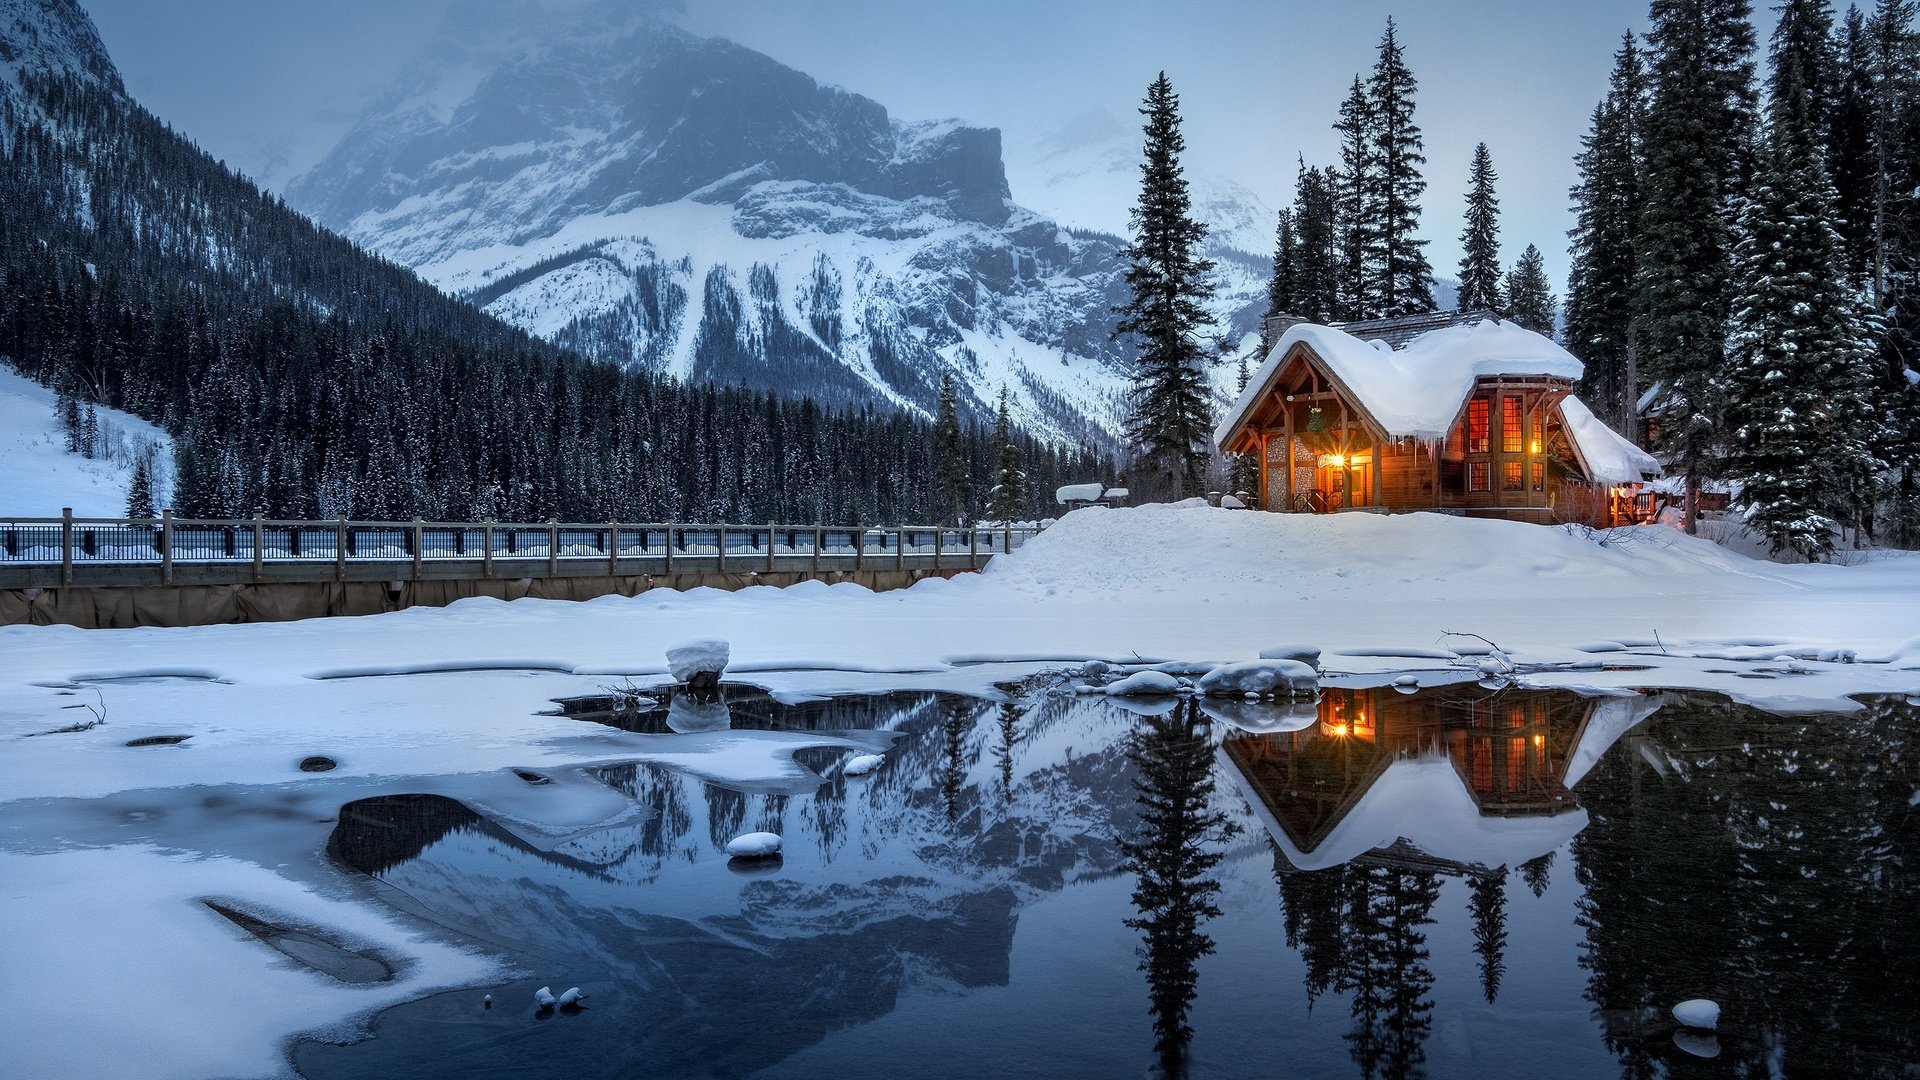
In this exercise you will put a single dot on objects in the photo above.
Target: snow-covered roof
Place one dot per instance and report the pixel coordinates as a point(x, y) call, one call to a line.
point(1610, 458)
point(1414, 391)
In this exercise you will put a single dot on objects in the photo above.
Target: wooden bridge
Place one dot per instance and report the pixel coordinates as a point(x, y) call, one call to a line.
point(55, 569)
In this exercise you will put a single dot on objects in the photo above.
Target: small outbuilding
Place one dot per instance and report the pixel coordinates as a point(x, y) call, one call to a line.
point(1456, 413)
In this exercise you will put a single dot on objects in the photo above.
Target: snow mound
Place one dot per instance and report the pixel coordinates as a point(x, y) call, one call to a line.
point(1698, 1013)
point(690, 658)
point(862, 764)
point(754, 845)
point(1262, 677)
point(1145, 684)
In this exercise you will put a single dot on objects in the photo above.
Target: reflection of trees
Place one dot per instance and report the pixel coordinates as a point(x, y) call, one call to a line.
point(1536, 872)
point(953, 757)
point(1387, 970)
point(1767, 862)
point(1488, 902)
point(1170, 853)
point(1009, 733)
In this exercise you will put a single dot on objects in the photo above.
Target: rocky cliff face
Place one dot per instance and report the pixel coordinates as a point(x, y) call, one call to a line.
point(51, 35)
point(683, 203)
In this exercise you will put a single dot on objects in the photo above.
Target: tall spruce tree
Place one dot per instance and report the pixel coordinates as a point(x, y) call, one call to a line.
point(1317, 262)
point(1530, 299)
point(1356, 227)
point(1602, 282)
point(1243, 470)
point(1850, 141)
point(1480, 240)
point(1010, 483)
point(1696, 160)
point(1283, 286)
point(140, 487)
point(1170, 422)
point(951, 457)
point(1400, 280)
point(1800, 356)
point(1893, 241)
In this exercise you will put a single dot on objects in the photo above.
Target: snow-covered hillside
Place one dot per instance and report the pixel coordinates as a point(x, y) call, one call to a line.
point(42, 476)
point(690, 206)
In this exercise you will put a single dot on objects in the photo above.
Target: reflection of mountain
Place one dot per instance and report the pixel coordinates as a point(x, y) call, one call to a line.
point(908, 879)
point(1451, 778)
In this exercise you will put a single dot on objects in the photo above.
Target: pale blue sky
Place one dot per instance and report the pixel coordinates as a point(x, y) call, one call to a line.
point(270, 84)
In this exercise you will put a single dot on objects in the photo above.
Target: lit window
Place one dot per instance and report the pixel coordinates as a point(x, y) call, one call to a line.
point(1539, 476)
point(1511, 481)
point(1477, 418)
point(1512, 438)
point(1476, 476)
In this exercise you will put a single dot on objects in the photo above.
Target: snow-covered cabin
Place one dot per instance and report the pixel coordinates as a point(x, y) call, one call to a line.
point(1466, 414)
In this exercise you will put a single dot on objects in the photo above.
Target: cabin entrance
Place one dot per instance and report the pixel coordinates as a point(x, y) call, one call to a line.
point(1341, 481)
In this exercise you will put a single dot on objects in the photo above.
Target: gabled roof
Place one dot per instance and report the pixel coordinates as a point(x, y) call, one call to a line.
point(1415, 391)
point(1400, 329)
point(1607, 455)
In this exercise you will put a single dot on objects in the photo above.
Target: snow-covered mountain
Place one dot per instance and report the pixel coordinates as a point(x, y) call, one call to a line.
point(686, 204)
point(54, 36)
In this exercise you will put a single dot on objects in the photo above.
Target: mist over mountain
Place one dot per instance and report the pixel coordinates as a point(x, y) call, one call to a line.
point(692, 207)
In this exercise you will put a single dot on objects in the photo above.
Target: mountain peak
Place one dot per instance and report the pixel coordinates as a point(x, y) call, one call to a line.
point(52, 36)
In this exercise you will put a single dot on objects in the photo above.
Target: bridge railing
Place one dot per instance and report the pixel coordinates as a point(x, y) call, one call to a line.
point(70, 550)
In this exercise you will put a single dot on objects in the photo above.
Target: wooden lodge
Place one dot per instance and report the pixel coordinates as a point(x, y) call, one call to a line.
point(1453, 413)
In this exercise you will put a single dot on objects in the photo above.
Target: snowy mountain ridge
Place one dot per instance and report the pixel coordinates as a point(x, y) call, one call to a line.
point(53, 36)
point(690, 206)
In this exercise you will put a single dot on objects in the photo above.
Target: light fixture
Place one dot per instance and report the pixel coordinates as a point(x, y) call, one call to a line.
point(1536, 446)
point(1335, 461)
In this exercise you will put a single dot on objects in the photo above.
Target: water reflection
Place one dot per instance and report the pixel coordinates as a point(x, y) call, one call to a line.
point(1452, 871)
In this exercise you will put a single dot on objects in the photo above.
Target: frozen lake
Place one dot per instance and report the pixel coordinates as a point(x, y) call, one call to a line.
point(1461, 882)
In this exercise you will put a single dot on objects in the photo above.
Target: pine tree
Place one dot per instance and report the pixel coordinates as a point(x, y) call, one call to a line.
point(1488, 904)
point(140, 487)
point(1800, 356)
point(951, 458)
point(1696, 161)
point(1400, 278)
point(1243, 470)
point(1480, 265)
point(1170, 420)
point(1283, 286)
point(1356, 230)
point(1530, 299)
point(89, 439)
point(1010, 484)
point(1892, 241)
point(1317, 261)
point(1602, 281)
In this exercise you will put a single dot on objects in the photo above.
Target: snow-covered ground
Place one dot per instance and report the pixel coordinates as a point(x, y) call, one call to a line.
point(42, 476)
point(456, 694)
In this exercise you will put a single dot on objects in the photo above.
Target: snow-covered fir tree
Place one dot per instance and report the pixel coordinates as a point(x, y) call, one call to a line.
point(1603, 278)
point(1283, 286)
point(1530, 299)
point(952, 459)
point(1891, 242)
point(1170, 422)
point(1357, 230)
point(140, 487)
point(1480, 239)
point(1243, 470)
point(1698, 126)
point(1317, 261)
point(1800, 411)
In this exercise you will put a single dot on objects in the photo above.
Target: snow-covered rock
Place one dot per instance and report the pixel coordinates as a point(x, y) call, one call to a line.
point(1262, 677)
point(690, 658)
point(754, 845)
point(543, 998)
point(1144, 684)
point(1698, 1013)
point(570, 996)
point(1229, 502)
point(862, 764)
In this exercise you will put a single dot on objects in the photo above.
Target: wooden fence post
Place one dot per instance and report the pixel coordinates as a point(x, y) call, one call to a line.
point(939, 542)
point(418, 535)
point(973, 547)
point(166, 546)
point(668, 548)
point(720, 543)
point(340, 549)
point(259, 546)
point(819, 537)
point(860, 547)
point(1007, 536)
point(900, 548)
point(613, 549)
point(553, 547)
point(66, 545)
point(486, 549)
point(769, 547)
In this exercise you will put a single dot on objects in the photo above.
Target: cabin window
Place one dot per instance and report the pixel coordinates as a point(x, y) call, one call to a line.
point(1476, 476)
point(1539, 476)
point(1512, 437)
point(1511, 480)
point(1477, 418)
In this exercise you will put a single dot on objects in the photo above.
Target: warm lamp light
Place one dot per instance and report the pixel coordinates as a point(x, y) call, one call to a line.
point(1336, 461)
point(1338, 729)
point(1536, 446)
point(1539, 740)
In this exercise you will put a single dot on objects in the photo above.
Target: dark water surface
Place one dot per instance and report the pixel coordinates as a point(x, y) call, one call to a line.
point(1455, 883)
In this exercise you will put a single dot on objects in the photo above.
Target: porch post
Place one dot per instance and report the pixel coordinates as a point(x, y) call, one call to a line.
point(1290, 465)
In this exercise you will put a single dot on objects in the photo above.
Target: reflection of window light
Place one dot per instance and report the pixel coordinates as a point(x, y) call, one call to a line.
point(1338, 729)
point(1539, 740)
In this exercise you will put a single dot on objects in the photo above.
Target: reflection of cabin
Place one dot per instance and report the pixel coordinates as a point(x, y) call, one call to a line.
point(1383, 769)
point(1465, 414)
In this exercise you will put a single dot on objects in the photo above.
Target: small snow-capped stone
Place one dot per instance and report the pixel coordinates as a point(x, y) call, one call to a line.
point(754, 845)
point(863, 764)
point(1228, 502)
point(1145, 683)
point(1306, 654)
point(1093, 669)
point(544, 998)
point(571, 996)
point(1698, 1013)
point(1260, 677)
point(690, 658)
point(486, 1001)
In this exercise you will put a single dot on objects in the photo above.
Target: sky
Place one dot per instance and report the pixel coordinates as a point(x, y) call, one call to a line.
point(270, 85)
